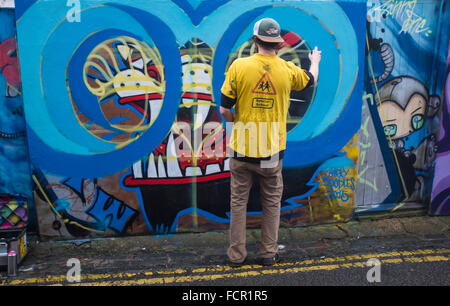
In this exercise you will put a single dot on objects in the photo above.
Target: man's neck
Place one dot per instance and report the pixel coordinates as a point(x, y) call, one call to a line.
point(266, 51)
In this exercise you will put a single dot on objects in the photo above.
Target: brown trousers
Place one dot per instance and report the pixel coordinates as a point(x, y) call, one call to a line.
point(271, 186)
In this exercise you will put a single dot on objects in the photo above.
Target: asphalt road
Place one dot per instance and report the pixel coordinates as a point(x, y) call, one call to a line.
point(403, 260)
point(401, 273)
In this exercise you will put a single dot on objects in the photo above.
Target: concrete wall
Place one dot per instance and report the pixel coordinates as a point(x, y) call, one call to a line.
point(111, 91)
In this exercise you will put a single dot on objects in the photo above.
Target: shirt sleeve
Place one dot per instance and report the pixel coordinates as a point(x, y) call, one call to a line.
point(229, 85)
point(227, 102)
point(300, 78)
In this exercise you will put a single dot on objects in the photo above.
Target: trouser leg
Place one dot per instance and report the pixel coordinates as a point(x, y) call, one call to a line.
point(271, 186)
point(240, 184)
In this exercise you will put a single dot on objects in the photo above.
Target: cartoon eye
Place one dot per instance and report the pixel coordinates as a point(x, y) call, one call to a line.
point(390, 130)
point(417, 121)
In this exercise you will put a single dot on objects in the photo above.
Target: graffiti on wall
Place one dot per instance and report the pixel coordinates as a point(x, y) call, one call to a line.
point(127, 137)
point(339, 184)
point(406, 12)
point(401, 106)
point(14, 162)
point(10, 66)
point(440, 203)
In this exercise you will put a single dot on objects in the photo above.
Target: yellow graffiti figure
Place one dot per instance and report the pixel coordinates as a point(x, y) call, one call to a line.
point(127, 78)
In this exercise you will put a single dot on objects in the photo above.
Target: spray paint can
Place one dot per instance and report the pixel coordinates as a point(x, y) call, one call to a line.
point(12, 263)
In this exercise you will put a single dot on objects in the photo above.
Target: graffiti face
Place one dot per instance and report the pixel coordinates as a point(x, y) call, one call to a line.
point(404, 109)
point(124, 75)
point(197, 87)
point(189, 149)
point(404, 106)
point(188, 154)
point(403, 122)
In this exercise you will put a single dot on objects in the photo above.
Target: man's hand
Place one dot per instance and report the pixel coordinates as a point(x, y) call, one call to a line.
point(227, 114)
point(315, 56)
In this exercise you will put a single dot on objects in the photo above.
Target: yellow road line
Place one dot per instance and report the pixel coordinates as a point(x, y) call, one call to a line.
point(326, 263)
point(212, 277)
point(62, 278)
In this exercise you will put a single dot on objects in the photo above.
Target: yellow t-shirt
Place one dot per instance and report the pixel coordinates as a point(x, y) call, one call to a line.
point(261, 86)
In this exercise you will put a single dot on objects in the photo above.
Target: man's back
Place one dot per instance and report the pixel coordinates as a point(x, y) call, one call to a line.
point(261, 85)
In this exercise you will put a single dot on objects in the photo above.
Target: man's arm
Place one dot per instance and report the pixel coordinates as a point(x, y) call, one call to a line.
point(226, 104)
point(315, 57)
point(227, 114)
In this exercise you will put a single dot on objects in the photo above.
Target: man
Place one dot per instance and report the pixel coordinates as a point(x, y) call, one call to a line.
point(258, 87)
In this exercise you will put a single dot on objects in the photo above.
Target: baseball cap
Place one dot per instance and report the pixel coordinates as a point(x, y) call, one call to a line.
point(267, 29)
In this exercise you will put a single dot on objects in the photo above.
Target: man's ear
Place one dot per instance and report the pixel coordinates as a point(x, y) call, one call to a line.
point(254, 40)
point(434, 102)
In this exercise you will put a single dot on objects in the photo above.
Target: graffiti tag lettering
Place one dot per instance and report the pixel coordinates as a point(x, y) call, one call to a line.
point(365, 147)
point(338, 184)
point(404, 10)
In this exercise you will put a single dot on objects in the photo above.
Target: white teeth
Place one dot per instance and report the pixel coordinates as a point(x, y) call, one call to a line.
point(173, 169)
point(139, 64)
point(151, 170)
point(170, 149)
point(137, 169)
point(212, 168)
point(129, 93)
point(161, 169)
point(198, 120)
point(226, 164)
point(155, 106)
point(200, 116)
point(193, 171)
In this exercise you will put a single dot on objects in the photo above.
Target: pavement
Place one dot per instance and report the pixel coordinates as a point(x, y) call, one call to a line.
point(149, 260)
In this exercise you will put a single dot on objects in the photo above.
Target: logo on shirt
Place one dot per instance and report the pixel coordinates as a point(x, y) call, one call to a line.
point(262, 103)
point(264, 86)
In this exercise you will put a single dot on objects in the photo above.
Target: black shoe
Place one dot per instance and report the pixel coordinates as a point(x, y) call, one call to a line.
point(270, 261)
